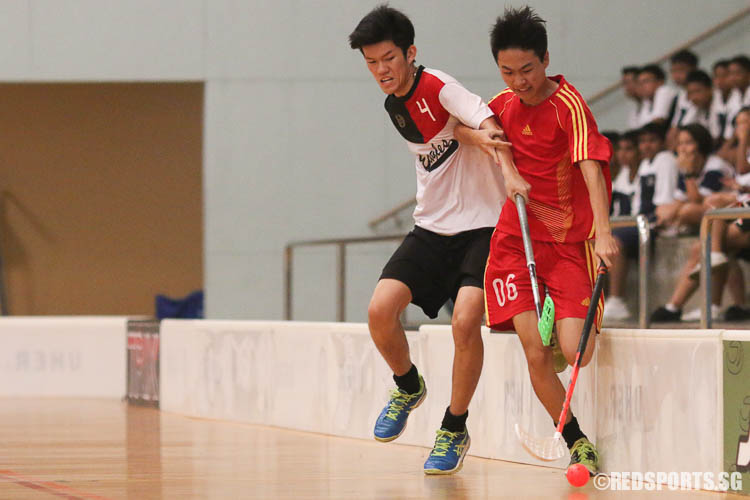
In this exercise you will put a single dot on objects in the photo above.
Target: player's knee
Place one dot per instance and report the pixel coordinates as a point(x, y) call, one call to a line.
point(569, 354)
point(466, 328)
point(380, 316)
point(590, 348)
point(538, 358)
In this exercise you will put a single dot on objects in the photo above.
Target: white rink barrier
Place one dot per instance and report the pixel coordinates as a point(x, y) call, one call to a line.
point(650, 399)
point(63, 356)
point(659, 400)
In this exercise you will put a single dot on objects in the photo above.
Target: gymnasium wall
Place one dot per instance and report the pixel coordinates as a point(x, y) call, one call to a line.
point(101, 205)
point(296, 143)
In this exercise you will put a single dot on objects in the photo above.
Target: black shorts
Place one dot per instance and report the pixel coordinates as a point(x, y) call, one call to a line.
point(434, 267)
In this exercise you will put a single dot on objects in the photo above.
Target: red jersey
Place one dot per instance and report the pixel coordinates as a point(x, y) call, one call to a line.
point(549, 140)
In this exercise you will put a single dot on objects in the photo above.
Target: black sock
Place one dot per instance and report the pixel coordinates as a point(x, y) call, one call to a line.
point(454, 423)
point(572, 433)
point(409, 381)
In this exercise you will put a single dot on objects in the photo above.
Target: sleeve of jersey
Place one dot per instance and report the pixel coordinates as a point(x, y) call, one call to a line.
point(467, 107)
point(584, 140)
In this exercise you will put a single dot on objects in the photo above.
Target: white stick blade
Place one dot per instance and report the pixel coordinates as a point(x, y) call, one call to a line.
point(549, 449)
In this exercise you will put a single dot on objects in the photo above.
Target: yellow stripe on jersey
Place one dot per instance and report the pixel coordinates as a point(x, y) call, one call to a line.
point(576, 133)
point(583, 124)
point(499, 94)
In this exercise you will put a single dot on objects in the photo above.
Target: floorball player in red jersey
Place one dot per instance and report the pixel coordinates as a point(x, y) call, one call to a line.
point(561, 169)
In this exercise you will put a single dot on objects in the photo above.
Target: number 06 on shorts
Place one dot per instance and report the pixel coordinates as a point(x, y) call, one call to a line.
point(567, 270)
point(505, 290)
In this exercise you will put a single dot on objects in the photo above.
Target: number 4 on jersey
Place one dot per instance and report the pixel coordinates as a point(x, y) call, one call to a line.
point(424, 108)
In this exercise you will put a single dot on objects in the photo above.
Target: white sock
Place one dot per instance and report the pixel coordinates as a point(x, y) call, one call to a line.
point(671, 308)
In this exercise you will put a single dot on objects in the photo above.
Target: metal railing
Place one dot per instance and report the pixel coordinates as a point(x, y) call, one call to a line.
point(706, 224)
point(341, 245)
point(644, 251)
point(392, 213)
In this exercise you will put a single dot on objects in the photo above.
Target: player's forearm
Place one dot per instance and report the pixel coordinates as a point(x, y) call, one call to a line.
point(466, 135)
point(598, 195)
point(506, 163)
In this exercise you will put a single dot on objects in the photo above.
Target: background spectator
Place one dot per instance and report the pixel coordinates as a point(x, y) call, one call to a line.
point(655, 186)
point(658, 100)
point(630, 86)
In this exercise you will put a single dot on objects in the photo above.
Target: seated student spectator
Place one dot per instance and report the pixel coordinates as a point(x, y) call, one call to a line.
point(656, 182)
point(722, 89)
point(630, 86)
point(625, 181)
point(681, 64)
point(658, 100)
point(739, 77)
point(724, 236)
point(614, 138)
point(703, 108)
point(701, 175)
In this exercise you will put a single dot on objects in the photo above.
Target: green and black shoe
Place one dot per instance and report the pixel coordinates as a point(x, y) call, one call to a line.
point(584, 452)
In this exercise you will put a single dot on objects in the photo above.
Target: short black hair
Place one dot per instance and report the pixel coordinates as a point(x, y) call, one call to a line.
point(701, 136)
point(742, 60)
point(383, 23)
point(519, 29)
point(685, 57)
point(631, 136)
point(699, 76)
point(612, 135)
point(631, 70)
point(721, 63)
point(655, 70)
point(657, 129)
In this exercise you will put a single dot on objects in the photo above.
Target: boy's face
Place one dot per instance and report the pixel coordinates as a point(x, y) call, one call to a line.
point(524, 73)
point(390, 67)
point(647, 85)
point(630, 84)
point(649, 145)
point(627, 153)
point(699, 95)
point(721, 79)
point(738, 77)
point(679, 72)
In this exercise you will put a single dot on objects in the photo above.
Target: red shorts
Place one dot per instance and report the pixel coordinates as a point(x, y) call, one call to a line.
point(567, 270)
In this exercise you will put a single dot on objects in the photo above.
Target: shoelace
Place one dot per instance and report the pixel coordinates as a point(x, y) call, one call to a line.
point(587, 450)
point(443, 443)
point(399, 399)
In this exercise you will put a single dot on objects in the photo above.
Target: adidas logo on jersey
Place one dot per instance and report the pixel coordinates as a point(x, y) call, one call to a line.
point(527, 130)
point(585, 302)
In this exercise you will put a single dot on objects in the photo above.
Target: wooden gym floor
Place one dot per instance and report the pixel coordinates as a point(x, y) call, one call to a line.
point(103, 449)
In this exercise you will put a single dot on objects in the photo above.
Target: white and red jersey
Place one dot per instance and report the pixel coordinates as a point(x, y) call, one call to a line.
point(459, 187)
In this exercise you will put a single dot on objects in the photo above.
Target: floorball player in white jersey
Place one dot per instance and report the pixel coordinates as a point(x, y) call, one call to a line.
point(460, 192)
